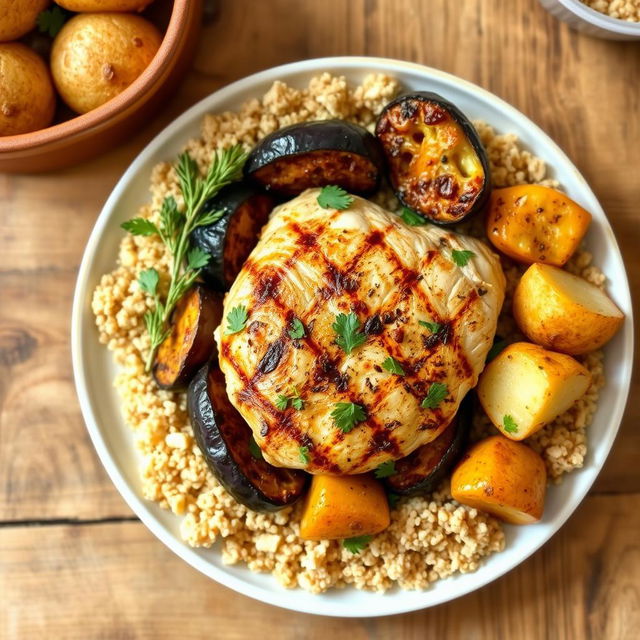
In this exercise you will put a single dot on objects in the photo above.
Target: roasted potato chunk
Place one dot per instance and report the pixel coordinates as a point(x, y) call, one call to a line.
point(18, 17)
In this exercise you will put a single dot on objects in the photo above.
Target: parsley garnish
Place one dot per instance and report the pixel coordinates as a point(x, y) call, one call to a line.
point(392, 365)
point(510, 425)
point(297, 329)
point(304, 454)
point(393, 499)
point(175, 227)
point(333, 197)
point(236, 319)
point(51, 20)
point(412, 218)
point(347, 414)
point(346, 326)
point(436, 394)
point(282, 402)
point(461, 257)
point(498, 346)
point(297, 403)
point(254, 449)
point(434, 327)
point(357, 544)
point(385, 469)
point(148, 281)
point(294, 399)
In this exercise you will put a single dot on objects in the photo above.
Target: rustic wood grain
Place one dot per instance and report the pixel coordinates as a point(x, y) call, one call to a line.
point(77, 582)
point(112, 579)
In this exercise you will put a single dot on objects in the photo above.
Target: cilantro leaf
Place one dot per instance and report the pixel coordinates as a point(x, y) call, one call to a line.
point(51, 20)
point(434, 327)
point(333, 197)
point(304, 454)
point(297, 403)
point(347, 414)
point(254, 449)
point(197, 258)
point(436, 394)
point(297, 330)
point(294, 400)
point(392, 365)
point(498, 346)
point(148, 281)
point(282, 402)
point(346, 326)
point(510, 425)
point(386, 469)
point(356, 544)
point(412, 218)
point(461, 257)
point(236, 319)
point(140, 227)
point(393, 499)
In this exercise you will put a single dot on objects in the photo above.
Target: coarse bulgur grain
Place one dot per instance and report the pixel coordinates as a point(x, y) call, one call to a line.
point(628, 10)
point(430, 537)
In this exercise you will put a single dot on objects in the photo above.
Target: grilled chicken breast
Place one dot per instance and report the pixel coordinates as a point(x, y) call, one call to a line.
point(312, 264)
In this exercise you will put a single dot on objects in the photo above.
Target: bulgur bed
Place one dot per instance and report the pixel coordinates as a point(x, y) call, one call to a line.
point(430, 537)
point(628, 10)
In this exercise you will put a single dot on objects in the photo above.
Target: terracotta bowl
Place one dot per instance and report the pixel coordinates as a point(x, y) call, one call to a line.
point(85, 136)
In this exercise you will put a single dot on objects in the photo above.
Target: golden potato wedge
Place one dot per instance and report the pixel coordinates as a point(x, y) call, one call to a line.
point(502, 477)
point(18, 17)
point(531, 223)
point(344, 507)
point(525, 387)
point(82, 6)
point(96, 56)
point(27, 98)
point(564, 312)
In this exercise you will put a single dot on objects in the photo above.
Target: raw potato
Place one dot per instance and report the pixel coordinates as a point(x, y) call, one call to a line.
point(27, 98)
point(96, 56)
point(532, 223)
point(344, 507)
point(502, 477)
point(18, 17)
point(548, 384)
point(564, 312)
point(104, 5)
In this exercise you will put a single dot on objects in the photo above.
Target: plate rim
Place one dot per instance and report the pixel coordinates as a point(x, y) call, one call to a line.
point(141, 507)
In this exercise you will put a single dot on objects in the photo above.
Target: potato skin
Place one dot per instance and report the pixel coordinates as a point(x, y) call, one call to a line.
point(96, 56)
point(343, 507)
point(504, 478)
point(27, 98)
point(553, 320)
point(531, 223)
point(81, 6)
point(18, 17)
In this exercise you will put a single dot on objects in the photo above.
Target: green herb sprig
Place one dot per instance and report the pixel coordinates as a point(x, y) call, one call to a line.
point(436, 394)
point(393, 366)
point(174, 228)
point(510, 425)
point(412, 218)
point(356, 544)
point(346, 327)
point(50, 21)
point(386, 469)
point(334, 197)
point(347, 414)
point(461, 258)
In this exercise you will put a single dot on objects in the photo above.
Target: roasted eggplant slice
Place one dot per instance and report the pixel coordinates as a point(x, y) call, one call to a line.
point(230, 240)
point(190, 342)
point(437, 164)
point(421, 471)
point(225, 441)
point(316, 154)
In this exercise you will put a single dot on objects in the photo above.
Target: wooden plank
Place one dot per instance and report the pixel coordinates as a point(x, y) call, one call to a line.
point(117, 581)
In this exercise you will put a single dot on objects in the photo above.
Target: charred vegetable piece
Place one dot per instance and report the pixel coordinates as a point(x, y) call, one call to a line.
point(437, 164)
point(316, 154)
point(230, 240)
point(422, 470)
point(225, 440)
point(190, 342)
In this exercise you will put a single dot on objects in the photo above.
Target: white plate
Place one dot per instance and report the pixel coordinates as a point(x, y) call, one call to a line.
point(94, 370)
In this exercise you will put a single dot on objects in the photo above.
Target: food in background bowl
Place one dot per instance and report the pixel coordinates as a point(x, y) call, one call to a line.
point(97, 56)
point(82, 6)
point(27, 98)
point(18, 17)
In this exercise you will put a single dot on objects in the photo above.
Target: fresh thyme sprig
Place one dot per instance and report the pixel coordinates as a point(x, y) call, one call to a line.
point(174, 228)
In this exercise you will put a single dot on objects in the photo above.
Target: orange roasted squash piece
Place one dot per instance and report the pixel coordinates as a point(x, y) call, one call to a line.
point(344, 507)
point(531, 223)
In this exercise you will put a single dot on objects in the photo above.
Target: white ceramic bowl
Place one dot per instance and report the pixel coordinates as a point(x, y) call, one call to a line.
point(579, 16)
point(94, 370)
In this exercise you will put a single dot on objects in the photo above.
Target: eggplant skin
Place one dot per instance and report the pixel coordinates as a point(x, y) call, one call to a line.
point(190, 342)
point(437, 164)
point(315, 154)
point(223, 437)
point(230, 240)
point(422, 470)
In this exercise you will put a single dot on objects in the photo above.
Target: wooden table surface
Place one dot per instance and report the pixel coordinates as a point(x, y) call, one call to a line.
point(76, 563)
